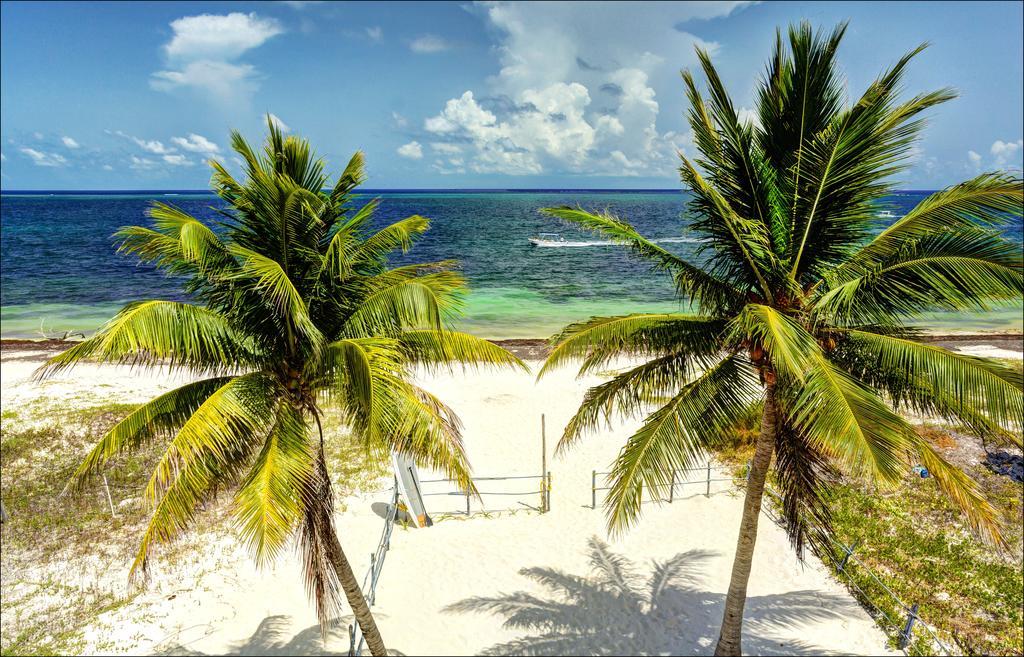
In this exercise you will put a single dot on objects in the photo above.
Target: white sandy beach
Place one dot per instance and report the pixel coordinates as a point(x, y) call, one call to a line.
point(217, 602)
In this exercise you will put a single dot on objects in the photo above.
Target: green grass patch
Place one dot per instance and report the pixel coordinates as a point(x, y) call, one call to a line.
point(50, 532)
point(918, 544)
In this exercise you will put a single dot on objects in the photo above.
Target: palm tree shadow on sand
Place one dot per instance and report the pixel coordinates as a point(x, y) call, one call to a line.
point(272, 638)
point(617, 612)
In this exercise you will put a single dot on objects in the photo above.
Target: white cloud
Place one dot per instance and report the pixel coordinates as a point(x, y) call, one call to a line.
point(446, 148)
point(974, 158)
point(3, 158)
point(1007, 153)
point(141, 163)
point(196, 144)
point(38, 135)
point(202, 51)
point(214, 37)
point(413, 150)
point(428, 44)
point(178, 160)
point(578, 99)
point(41, 159)
point(375, 33)
point(399, 120)
point(153, 146)
point(69, 142)
point(107, 167)
point(301, 4)
point(281, 125)
point(748, 115)
point(224, 81)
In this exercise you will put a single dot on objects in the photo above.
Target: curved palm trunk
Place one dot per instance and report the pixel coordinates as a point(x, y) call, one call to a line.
point(356, 600)
point(327, 537)
point(732, 622)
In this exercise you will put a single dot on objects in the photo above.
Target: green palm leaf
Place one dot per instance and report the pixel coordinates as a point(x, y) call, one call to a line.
point(677, 436)
point(155, 332)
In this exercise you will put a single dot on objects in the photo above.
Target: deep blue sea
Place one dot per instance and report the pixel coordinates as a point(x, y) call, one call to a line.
point(60, 271)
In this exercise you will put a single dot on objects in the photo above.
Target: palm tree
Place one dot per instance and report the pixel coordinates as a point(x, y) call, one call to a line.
point(801, 312)
point(295, 309)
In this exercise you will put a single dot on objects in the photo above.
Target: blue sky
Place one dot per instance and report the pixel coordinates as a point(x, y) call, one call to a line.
point(456, 95)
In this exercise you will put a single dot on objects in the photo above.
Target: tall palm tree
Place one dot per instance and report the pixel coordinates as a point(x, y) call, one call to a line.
point(801, 311)
point(295, 309)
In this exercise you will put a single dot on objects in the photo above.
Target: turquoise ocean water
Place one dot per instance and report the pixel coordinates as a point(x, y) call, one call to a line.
point(59, 270)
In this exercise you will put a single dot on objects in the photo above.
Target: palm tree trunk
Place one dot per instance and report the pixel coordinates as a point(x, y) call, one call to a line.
point(336, 556)
point(729, 642)
point(356, 600)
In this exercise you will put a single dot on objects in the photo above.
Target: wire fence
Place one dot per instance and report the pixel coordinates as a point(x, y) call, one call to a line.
point(372, 576)
point(533, 488)
point(911, 632)
point(677, 479)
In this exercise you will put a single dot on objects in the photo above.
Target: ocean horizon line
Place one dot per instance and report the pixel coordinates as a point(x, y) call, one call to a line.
point(384, 190)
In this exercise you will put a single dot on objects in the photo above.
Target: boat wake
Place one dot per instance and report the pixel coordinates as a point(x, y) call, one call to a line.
point(583, 244)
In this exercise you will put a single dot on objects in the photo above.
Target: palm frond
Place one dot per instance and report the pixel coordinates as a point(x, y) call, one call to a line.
point(452, 349)
point(599, 339)
point(676, 436)
point(159, 332)
point(963, 269)
point(213, 444)
point(268, 504)
point(708, 292)
point(985, 201)
point(160, 416)
point(626, 395)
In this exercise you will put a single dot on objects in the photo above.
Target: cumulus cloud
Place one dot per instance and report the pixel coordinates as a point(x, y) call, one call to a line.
point(1003, 155)
point(196, 144)
point(216, 37)
point(428, 44)
point(202, 53)
point(41, 159)
point(153, 146)
point(69, 142)
point(178, 160)
point(413, 150)
point(580, 99)
point(446, 148)
point(141, 163)
point(375, 33)
point(1007, 153)
point(278, 123)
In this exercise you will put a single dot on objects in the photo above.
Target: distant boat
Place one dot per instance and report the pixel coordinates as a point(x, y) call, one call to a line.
point(887, 214)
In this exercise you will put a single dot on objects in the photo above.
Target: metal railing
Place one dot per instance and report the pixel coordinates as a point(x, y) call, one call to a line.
point(673, 484)
point(544, 493)
point(369, 588)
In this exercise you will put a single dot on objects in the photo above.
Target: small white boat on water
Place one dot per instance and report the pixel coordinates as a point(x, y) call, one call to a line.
point(887, 214)
point(548, 239)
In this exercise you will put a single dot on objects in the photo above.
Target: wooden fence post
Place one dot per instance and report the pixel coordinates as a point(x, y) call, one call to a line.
point(543, 464)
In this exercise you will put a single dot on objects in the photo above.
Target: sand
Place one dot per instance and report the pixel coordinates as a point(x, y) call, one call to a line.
point(218, 602)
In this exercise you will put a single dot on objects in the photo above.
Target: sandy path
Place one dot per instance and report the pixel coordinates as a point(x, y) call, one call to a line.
point(221, 603)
